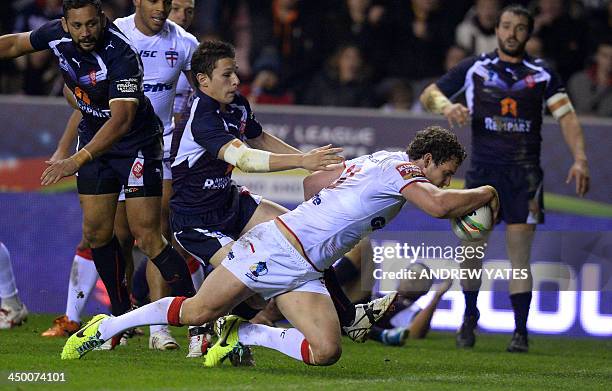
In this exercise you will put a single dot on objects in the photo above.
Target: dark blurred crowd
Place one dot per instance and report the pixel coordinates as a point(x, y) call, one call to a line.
point(358, 53)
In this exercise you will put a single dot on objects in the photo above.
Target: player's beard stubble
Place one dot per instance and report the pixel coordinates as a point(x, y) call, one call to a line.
point(518, 51)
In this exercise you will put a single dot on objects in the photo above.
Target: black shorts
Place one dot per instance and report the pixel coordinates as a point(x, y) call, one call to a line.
point(203, 235)
point(520, 190)
point(106, 175)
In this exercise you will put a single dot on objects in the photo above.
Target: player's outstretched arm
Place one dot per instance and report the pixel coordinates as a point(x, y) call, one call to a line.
point(422, 321)
point(268, 142)
point(247, 159)
point(444, 204)
point(15, 45)
point(434, 101)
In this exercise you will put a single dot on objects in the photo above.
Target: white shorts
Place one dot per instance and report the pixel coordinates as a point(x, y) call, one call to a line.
point(268, 264)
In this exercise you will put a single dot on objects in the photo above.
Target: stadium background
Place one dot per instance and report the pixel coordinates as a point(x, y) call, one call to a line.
point(42, 226)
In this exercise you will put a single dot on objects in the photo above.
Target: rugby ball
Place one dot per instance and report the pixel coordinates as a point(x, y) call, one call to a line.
point(475, 225)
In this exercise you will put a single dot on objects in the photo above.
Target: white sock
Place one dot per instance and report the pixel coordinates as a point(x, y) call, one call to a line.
point(83, 277)
point(286, 341)
point(198, 278)
point(154, 313)
point(8, 287)
point(155, 328)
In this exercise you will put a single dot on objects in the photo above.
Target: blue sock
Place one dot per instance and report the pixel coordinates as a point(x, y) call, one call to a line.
point(520, 304)
point(470, 303)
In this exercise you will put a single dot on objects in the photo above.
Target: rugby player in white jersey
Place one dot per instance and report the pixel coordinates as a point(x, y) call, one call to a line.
point(165, 49)
point(285, 258)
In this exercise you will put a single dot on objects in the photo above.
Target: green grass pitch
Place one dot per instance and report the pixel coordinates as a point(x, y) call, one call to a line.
point(431, 364)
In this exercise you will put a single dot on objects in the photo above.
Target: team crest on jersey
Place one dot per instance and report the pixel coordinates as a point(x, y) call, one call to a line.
point(530, 81)
point(92, 77)
point(172, 57)
point(257, 270)
point(409, 171)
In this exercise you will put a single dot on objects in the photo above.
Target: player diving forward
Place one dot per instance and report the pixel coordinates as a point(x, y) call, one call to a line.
point(285, 258)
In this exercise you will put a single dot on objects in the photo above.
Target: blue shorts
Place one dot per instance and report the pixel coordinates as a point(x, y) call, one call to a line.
point(203, 235)
point(106, 175)
point(520, 190)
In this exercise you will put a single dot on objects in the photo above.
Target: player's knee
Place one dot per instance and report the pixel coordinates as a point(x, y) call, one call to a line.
point(96, 236)
point(151, 243)
point(326, 353)
point(194, 314)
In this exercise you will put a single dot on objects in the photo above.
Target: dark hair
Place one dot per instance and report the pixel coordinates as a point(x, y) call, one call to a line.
point(517, 9)
point(441, 143)
point(208, 53)
point(76, 4)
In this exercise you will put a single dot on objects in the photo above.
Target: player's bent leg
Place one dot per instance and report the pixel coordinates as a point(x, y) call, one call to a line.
point(313, 314)
point(219, 293)
point(519, 238)
point(144, 219)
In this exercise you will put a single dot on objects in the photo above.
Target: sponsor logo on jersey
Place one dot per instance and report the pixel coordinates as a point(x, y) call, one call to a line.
point(409, 171)
point(127, 86)
point(509, 106)
point(257, 270)
point(159, 87)
point(84, 104)
point(507, 124)
point(216, 183)
point(172, 57)
point(148, 53)
point(137, 169)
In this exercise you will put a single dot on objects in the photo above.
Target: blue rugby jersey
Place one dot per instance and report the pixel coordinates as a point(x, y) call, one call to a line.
point(201, 182)
point(506, 103)
point(113, 70)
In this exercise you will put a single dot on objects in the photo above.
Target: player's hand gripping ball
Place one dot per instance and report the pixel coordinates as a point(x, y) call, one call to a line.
point(475, 225)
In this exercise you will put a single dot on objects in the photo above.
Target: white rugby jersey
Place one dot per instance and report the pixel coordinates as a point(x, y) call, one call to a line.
point(164, 56)
point(183, 91)
point(363, 199)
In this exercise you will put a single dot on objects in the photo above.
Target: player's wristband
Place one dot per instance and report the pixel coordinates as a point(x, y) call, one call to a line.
point(436, 102)
point(81, 157)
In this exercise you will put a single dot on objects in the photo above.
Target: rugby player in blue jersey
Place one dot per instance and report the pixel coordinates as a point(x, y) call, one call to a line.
point(506, 91)
point(119, 141)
